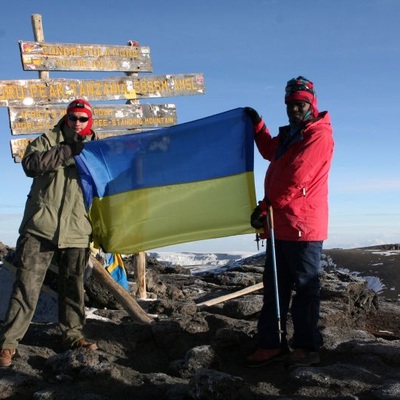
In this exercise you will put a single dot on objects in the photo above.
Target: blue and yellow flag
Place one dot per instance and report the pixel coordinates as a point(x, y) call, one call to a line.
point(184, 183)
point(116, 267)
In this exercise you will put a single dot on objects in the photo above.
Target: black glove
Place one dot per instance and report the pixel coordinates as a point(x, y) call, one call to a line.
point(76, 147)
point(253, 115)
point(257, 218)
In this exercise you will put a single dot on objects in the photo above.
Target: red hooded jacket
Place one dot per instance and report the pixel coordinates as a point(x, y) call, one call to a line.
point(296, 182)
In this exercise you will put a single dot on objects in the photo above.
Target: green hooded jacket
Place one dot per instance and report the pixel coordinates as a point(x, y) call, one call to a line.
point(55, 208)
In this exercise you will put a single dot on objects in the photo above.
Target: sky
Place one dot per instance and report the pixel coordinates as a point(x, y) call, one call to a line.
point(247, 51)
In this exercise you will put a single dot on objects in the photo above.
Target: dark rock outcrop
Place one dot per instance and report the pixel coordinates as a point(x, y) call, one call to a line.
point(193, 352)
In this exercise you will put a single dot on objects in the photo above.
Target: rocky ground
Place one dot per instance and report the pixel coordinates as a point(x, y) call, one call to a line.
point(191, 352)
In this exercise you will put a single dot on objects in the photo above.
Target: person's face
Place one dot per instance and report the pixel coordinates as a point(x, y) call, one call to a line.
point(77, 121)
point(296, 111)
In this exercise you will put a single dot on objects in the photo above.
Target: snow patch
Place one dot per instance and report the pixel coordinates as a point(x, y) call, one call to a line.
point(200, 262)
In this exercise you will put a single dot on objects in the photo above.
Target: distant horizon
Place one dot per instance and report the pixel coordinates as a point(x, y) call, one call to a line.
point(370, 231)
point(218, 245)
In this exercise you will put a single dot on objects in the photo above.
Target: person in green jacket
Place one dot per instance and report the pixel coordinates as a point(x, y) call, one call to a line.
point(55, 227)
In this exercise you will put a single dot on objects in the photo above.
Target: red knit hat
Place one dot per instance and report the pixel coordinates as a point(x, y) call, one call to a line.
point(80, 105)
point(301, 89)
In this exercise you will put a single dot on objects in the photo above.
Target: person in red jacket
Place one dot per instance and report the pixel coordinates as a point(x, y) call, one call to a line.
point(296, 190)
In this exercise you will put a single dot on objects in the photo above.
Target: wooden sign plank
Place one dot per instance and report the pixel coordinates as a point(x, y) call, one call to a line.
point(18, 146)
point(106, 117)
point(40, 92)
point(42, 56)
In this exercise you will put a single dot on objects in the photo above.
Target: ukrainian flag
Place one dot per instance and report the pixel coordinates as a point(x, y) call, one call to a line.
point(184, 183)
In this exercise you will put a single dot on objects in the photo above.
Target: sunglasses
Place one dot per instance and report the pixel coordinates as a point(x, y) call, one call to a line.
point(74, 118)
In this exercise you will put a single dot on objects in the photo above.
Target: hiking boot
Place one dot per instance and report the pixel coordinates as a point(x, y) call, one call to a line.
point(84, 344)
point(303, 358)
point(6, 356)
point(263, 357)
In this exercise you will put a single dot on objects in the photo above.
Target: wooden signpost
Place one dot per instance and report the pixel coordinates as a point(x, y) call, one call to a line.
point(108, 120)
point(44, 56)
point(35, 105)
point(39, 92)
point(106, 117)
point(51, 91)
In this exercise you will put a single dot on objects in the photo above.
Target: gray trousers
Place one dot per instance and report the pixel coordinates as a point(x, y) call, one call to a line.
point(33, 257)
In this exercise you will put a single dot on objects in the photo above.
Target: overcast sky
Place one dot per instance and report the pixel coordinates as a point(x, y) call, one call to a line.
point(247, 51)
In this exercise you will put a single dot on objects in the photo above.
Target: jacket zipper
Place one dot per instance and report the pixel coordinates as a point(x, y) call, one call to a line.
point(303, 191)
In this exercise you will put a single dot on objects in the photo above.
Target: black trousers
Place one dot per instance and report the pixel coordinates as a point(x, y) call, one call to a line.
point(297, 266)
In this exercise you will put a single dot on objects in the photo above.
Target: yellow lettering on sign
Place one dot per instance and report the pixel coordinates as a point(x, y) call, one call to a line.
point(136, 86)
point(82, 90)
point(150, 87)
point(127, 91)
point(157, 86)
point(12, 93)
point(115, 89)
point(90, 89)
point(159, 120)
point(107, 88)
point(103, 112)
point(34, 91)
point(189, 84)
point(100, 64)
point(33, 114)
point(31, 125)
point(178, 84)
point(126, 121)
point(71, 51)
point(98, 89)
point(52, 91)
point(161, 86)
point(57, 113)
point(101, 123)
point(129, 52)
point(43, 91)
point(83, 63)
point(60, 91)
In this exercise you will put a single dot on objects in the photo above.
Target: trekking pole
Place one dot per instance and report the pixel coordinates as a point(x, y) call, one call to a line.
point(258, 241)
point(270, 220)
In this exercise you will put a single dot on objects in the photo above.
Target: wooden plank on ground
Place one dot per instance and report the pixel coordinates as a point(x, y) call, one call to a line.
point(106, 117)
point(36, 56)
point(42, 92)
point(122, 295)
point(233, 295)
